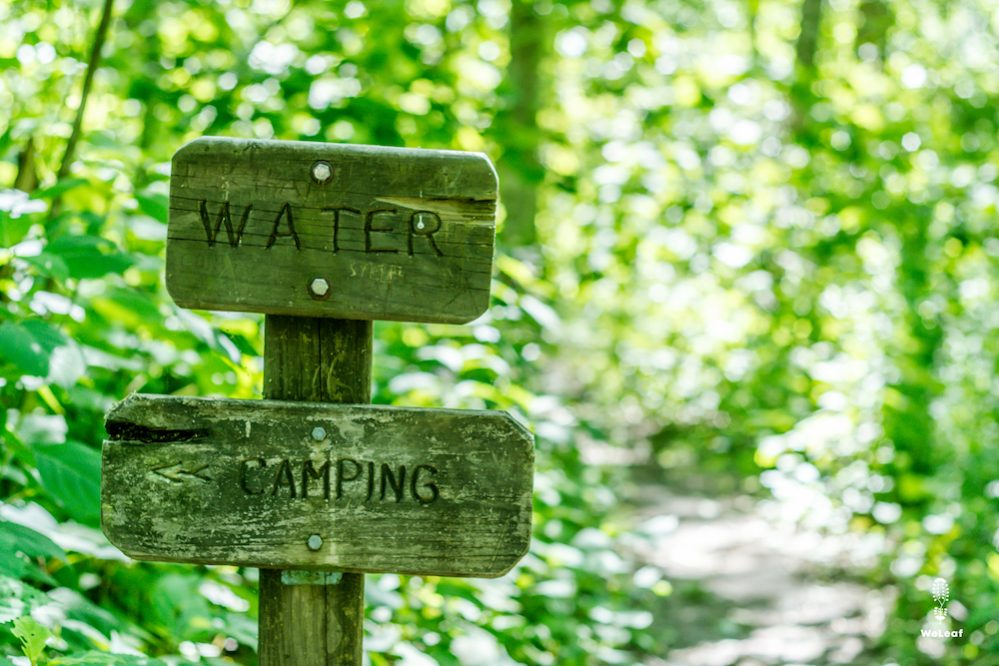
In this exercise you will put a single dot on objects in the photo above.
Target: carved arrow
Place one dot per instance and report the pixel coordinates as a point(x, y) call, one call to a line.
point(177, 476)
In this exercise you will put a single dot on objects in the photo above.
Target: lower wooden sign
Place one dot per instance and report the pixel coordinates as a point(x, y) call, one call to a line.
point(281, 484)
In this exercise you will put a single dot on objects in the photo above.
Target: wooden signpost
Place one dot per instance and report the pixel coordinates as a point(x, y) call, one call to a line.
point(324, 230)
point(312, 484)
point(357, 488)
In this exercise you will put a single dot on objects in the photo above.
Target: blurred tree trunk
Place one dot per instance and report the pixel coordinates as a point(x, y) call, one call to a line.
point(27, 175)
point(520, 168)
point(152, 49)
point(808, 38)
point(875, 20)
point(907, 412)
point(753, 10)
point(100, 35)
point(805, 51)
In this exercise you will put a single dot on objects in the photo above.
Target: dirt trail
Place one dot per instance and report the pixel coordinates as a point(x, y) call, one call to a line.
point(749, 590)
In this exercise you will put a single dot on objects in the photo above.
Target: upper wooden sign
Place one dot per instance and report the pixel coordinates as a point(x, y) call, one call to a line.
point(310, 485)
point(331, 230)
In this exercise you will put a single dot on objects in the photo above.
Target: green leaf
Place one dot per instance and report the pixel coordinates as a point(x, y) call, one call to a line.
point(49, 337)
point(177, 605)
point(18, 538)
point(127, 306)
point(89, 257)
point(57, 189)
point(23, 351)
point(79, 608)
point(13, 230)
point(48, 265)
point(71, 474)
point(13, 565)
point(103, 138)
point(32, 636)
point(17, 598)
point(65, 361)
point(156, 206)
point(30, 344)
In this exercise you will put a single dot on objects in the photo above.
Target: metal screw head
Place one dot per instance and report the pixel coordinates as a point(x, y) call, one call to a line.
point(422, 221)
point(319, 287)
point(322, 171)
point(319, 433)
point(315, 542)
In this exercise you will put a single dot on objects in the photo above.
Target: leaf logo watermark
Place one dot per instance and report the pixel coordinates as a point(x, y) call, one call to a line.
point(938, 625)
point(941, 595)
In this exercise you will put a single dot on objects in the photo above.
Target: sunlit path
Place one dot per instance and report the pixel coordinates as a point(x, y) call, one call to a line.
point(751, 590)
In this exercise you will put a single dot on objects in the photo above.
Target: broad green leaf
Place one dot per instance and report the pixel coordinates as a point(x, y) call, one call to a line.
point(48, 265)
point(59, 188)
point(29, 345)
point(71, 474)
point(17, 598)
point(13, 564)
point(32, 636)
point(177, 603)
point(79, 608)
point(49, 337)
point(155, 206)
point(18, 538)
point(129, 307)
point(89, 256)
point(78, 538)
point(13, 230)
point(103, 138)
point(21, 349)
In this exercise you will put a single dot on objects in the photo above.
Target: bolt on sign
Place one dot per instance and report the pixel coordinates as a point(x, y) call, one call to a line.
point(323, 230)
point(322, 239)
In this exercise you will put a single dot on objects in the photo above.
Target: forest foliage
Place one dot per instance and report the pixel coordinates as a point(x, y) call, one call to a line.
point(752, 238)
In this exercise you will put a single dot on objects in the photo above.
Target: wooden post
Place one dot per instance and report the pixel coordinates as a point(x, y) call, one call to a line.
point(320, 360)
point(322, 239)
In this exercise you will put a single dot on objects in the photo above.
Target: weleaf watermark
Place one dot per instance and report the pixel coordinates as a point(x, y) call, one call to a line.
point(937, 625)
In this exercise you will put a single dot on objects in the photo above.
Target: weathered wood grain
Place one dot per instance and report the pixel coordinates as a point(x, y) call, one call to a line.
point(402, 234)
point(418, 491)
point(318, 360)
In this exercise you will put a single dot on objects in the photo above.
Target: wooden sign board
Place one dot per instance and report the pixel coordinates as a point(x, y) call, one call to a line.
point(330, 230)
point(279, 484)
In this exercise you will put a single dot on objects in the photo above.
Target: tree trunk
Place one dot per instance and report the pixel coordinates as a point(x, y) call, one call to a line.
point(88, 78)
point(27, 175)
point(805, 51)
point(875, 20)
point(520, 169)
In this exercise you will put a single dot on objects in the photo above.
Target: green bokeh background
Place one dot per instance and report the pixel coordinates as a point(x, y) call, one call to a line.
point(752, 242)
